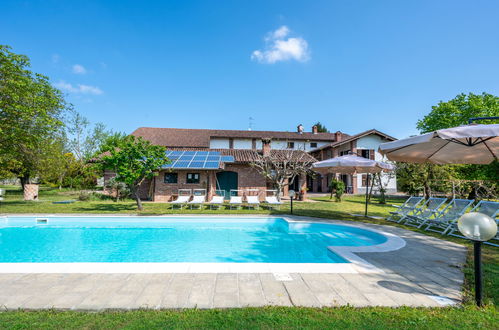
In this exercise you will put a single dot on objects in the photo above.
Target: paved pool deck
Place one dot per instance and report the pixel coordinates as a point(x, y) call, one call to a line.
point(425, 272)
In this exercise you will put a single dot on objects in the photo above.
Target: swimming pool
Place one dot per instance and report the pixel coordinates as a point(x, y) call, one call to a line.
point(176, 240)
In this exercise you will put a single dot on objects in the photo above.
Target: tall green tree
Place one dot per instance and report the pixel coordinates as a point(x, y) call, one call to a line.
point(457, 111)
point(31, 112)
point(321, 128)
point(134, 160)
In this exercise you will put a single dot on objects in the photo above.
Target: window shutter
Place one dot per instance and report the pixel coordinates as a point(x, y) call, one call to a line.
point(359, 152)
point(371, 154)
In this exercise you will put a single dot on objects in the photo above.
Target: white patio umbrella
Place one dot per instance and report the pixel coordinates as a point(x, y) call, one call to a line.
point(469, 144)
point(350, 164)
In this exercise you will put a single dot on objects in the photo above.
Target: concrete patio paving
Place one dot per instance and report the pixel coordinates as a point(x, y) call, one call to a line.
point(426, 267)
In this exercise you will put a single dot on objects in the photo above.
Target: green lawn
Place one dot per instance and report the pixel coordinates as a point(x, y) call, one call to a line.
point(467, 316)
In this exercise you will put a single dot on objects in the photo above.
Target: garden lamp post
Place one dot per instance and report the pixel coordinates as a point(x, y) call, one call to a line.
point(291, 194)
point(479, 228)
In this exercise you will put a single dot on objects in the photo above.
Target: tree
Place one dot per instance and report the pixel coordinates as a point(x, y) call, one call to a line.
point(30, 115)
point(457, 111)
point(84, 141)
point(381, 181)
point(321, 128)
point(422, 178)
point(283, 167)
point(134, 160)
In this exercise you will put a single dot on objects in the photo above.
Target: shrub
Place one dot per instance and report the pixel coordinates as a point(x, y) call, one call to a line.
point(119, 189)
point(337, 188)
point(84, 196)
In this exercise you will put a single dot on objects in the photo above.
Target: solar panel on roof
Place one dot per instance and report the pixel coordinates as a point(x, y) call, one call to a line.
point(196, 159)
point(212, 165)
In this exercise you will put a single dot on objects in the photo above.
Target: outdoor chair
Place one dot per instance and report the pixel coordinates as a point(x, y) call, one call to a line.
point(252, 200)
point(198, 198)
point(442, 222)
point(217, 200)
point(235, 200)
point(411, 205)
point(272, 201)
point(184, 195)
point(489, 208)
point(429, 210)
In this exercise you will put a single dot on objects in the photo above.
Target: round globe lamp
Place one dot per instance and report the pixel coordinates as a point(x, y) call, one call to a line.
point(479, 228)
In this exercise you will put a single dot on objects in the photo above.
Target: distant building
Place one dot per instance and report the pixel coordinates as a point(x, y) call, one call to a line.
point(364, 144)
point(245, 147)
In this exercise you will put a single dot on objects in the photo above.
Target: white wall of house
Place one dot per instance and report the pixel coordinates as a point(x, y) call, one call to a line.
point(219, 143)
point(242, 143)
point(372, 142)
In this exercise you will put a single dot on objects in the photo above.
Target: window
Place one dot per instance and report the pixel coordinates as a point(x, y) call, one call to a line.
point(313, 144)
point(364, 180)
point(345, 152)
point(171, 177)
point(192, 178)
point(291, 145)
point(364, 153)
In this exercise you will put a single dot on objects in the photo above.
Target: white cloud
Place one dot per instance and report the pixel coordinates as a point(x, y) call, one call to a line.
point(78, 89)
point(280, 47)
point(79, 69)
point(280, 33)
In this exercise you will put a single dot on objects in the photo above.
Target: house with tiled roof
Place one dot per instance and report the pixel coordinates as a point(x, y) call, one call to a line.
point(195, 164)
point(364, 144)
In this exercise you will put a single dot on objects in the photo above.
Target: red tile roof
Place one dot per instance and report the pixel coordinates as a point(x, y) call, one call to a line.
point(200, 138)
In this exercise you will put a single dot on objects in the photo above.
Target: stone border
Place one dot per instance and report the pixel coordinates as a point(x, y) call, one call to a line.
point(356, 264)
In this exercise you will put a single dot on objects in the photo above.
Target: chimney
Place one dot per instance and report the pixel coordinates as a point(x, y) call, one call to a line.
point(337, 136)
point(266, 147)
point(299, 129)
point(314, 129)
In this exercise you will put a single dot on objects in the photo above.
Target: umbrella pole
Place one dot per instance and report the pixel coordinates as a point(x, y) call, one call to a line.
point(367, 193)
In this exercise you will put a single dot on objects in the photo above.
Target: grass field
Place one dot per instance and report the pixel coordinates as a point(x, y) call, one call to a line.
point(466, 316)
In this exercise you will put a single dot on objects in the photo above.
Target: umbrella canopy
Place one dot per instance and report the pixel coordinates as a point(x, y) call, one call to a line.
point(350, 164)
point(470, 144)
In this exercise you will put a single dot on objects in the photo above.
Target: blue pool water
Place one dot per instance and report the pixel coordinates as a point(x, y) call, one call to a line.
point(182, 239)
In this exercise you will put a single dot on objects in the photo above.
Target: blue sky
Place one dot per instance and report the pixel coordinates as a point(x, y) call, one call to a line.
point(353, 65)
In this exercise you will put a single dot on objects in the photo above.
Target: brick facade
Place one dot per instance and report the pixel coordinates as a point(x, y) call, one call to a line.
point(165, 192)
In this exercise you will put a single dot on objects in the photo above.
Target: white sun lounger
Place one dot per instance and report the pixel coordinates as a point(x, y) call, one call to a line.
point(184, 195)
point(252, 201)
point(236, 198)
point(197, 201)
point(442, 222)
point(181, 200)
point(429, 210)
point(410, 206)
point(272, 202)
point(235, 201)
point(216, 202)
point(198, 198)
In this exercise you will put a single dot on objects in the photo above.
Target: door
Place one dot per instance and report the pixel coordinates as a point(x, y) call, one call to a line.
point(226, 181)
